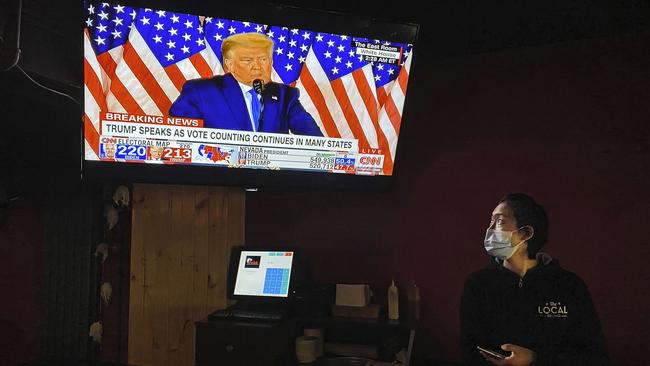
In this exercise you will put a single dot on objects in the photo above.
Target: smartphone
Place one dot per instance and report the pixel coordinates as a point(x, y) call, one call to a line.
point(494, 353)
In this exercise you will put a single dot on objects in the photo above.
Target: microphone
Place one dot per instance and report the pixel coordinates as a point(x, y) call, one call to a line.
point(259, 87)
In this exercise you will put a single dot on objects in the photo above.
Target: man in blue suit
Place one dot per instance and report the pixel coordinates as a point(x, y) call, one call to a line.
point(230, 102)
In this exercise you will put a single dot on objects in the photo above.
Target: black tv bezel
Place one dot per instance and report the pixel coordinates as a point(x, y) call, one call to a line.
point(233, 269)
point(250, 178)
point(272, 13)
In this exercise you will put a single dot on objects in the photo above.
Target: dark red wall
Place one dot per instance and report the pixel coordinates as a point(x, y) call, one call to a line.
point(21, 273)
point(567, 123)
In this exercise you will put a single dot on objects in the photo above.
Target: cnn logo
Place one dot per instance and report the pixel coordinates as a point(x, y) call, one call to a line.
point(371, 160)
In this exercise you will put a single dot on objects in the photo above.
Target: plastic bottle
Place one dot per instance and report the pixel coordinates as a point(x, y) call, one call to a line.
point(413, 295)
point(393, 301)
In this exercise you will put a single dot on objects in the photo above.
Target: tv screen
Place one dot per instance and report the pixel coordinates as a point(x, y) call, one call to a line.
point(258, 273)
point(186, 88)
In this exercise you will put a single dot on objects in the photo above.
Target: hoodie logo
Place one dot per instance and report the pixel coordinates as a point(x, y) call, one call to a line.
point(553, 309)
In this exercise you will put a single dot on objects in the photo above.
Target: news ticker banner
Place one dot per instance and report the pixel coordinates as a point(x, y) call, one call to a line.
point(173, 140)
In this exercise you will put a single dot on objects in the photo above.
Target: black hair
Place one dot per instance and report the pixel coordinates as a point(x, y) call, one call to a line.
point(527, 212)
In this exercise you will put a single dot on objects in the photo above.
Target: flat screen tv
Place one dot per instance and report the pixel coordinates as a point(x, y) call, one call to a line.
point(259, 96)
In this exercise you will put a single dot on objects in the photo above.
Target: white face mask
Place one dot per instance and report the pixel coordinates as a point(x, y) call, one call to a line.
point(499, 244)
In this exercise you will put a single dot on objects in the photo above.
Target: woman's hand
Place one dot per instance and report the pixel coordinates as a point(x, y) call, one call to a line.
point(519, 356)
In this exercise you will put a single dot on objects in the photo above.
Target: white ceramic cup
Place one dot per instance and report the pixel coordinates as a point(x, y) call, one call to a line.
point(318, 334)
point(306, 349)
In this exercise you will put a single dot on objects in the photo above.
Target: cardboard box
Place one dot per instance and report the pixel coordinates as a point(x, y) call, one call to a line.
point(366, 312)
point(352, 294)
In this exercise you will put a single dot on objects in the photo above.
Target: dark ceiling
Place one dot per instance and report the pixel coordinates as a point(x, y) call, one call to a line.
point(50, 29)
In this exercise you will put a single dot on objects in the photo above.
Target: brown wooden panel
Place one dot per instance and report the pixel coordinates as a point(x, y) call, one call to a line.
point(236, 216)
point(236, 220)
point(218, 245)
point(176, 300)
point(181, 241)
point(202, 227)
point(186, 278)
point(140, 218)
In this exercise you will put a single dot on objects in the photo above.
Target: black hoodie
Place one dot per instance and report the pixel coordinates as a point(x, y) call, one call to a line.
point(549, 311)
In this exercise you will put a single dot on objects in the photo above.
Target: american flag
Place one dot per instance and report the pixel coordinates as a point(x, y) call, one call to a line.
point(348, 95)
point(290, 53)
point(137, 60)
